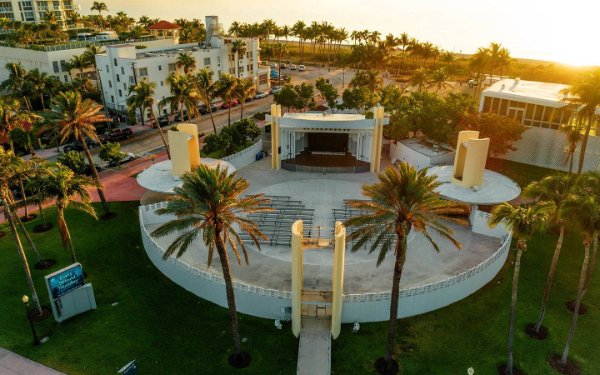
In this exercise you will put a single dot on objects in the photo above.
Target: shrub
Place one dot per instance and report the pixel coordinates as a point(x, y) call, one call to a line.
point(73, 160)
point(111, 153)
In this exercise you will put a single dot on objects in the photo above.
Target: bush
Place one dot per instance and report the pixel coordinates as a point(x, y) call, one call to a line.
point(111, 153)
point(260, 116)
point(73, 160)
point(231, 139)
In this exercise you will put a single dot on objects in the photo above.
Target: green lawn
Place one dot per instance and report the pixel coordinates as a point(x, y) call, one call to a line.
point(170, 331)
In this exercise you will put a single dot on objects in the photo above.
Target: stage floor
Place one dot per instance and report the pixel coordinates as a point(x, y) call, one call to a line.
point(306, 158)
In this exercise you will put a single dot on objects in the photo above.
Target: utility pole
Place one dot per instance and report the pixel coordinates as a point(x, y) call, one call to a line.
point(136, 82)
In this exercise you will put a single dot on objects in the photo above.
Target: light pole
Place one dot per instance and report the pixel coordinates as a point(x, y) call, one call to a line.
point(25, 300)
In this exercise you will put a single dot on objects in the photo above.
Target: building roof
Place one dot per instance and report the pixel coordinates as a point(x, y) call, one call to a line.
point(326, 122)
point(426, 147)
point(543, 93)
point(164, 25)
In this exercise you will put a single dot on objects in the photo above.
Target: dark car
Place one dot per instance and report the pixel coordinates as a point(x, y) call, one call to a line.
point(78, 146)
point(178, 116)
point(163, 121)
point(231, 103)
point(116, 135)
point(203, 109)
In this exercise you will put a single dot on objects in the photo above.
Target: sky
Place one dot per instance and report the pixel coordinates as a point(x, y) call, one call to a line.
point(565, 31)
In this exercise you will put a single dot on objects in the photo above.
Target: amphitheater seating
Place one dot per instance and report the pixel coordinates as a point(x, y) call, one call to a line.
point(277, 224)
point(345, 213)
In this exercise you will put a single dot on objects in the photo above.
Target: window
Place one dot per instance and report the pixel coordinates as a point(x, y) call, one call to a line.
point(503, 106)
point(118, 78)
point(263, 79)
point(162, 83)
point(110, 84)
point(487, 104)
point(107, 68)
point(160, 67)
point(249, 55)
point(55, 66)
point(115, 62)
point(112, 98)
point(207, 61)
point(172, 67)
point(63, 66)
point(241, 69)
point(124, 86)
point(123, 70)
point(66, 78)
point(143, 72)
point(120, 93)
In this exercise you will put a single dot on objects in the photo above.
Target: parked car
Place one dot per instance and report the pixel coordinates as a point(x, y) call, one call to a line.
point(203, 109)
point(261, 94)
point(273, 65)
point(115, 135)
point(293, 67)
point(78, 146)
point(283, 66)
point(276, 89)
point(231, 103)
point(178, 116)
point(301, 68)
point(163, 120)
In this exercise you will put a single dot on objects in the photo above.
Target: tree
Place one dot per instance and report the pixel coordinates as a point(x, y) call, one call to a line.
point(75, 117)
point(404, 199)
point(225, 90)
point(572, 132)
point(244, 89)
point(553, 189)
point(503, 131)
point(90, 54)
point(206, 91)
point(100, 7)
point(328, 92)
point(585, 94)
point(210, 205)
point(183, 95)
point(359, 98)
point(111, 153)
point(8, 165)
point(74, 160)
point(371, 79)
point(287, 97)
point(15, 83)
point(524, 222)
point(35, 82)
point(79, 62)
point(238, 48)
point(439, 78)
point(70, 191)
point(186, 61)
point(141, 96)
point(419, 78)
point(305, 95)
point(584, 209)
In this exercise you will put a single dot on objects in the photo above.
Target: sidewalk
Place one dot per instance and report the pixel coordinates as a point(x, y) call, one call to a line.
point(14, 364)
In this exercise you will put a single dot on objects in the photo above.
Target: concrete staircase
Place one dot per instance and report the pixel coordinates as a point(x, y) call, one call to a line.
point(314, 350)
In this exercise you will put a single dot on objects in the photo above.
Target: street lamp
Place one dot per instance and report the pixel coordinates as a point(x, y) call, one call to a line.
point(25, 300)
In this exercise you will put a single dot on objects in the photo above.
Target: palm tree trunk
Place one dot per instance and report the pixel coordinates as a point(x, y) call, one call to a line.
point(42, 99)
point(584, 142)
point(580, 293)
point(96, 176)
point(28, 237)
point(25, 209)
point(592, 261)
point(235, 333)
point(65, 235)
point(513, 308)
point(229, 113)
point(41, 210)
point(242, 109)
point(550, 278)
point(212, 119)
point(162, 135)
point(13, 229)
point(398, 268)
point(571, 159)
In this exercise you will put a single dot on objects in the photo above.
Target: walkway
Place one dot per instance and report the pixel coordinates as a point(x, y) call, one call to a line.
point(314, 350)
point(14, 364)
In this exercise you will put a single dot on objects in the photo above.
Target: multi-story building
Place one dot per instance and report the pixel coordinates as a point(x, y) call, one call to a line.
point(124, 65)
point(35, 10)
point(539, 106)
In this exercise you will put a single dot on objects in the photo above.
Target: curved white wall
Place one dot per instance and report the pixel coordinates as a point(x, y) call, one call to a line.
point(245, 157)
point(276, 304)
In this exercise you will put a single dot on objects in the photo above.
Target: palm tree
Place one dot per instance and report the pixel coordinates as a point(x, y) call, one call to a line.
point(36, 184)
point(524, 221)
point(209, 204)
point(70, 191)
point(244, 89)
point(100, 7)
point(404, 199)
point(8, 163)
point(90, 54)
point(225, 89)
point(238, 48)
point(439, 78)
point(206, 91)
point(15, 83)
point(299, 31)
point(183, 94)
point(36, 82)
point(75, 117)
point(584, 209)
point(553, 189)
point(142, 96)
point(186, 61)
point(585, 94)
point(419, 78)
point(572, 132)
point(79, 62)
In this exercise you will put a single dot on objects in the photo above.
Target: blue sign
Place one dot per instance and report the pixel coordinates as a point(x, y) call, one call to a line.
point(65, 280)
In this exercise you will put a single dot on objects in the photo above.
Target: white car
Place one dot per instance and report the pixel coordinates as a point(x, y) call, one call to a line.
point(273, 65)
point(276, 89)
point(293, 67)
point(301, 68)
point(261, 94)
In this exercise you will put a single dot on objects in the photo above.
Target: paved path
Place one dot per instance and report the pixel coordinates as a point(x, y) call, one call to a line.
point(14, 364)
point(314, 350)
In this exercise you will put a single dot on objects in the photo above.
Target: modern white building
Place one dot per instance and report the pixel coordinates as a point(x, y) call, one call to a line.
point(34, 10)
point(122, 65)
point(540, 107)
point(52, 59)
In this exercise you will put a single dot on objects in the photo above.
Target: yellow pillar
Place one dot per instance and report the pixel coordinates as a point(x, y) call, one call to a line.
point(297, 277)
point(374, 141)
point(470, 159)
point(184, 147)
point(277, 158)
point(338, 279)
point(379, 138)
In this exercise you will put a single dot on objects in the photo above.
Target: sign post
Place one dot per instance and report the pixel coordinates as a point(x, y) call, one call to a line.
point(68, 292)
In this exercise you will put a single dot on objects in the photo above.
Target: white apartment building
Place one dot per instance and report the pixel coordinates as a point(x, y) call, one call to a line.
point(52, 59)
point(122, 65)
point(34, 10)
point(540, 107)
